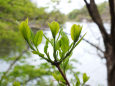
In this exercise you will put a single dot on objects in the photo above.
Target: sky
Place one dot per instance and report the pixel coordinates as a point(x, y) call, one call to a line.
point(63, 6)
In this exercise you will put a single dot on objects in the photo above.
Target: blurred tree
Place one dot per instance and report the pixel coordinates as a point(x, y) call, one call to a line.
point(25, 74)
point(14, 11)
point(80, 14)
point(108, 39)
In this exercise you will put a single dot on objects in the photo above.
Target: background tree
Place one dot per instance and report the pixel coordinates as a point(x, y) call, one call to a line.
point(80, 14)
point(108, 39)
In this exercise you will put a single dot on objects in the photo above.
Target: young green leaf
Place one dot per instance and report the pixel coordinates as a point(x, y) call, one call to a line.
point(60, 53)
point(80, 40)
point(64, 44)
point(61, 30)
point(65, 64)
point(58, 44)
point(55, 76)
point(25, 30)
point(16, 84)
point(38, 38)
point(75, 32)
point(58, 77)
point(46, 47)
point(85, 78)
point(78, 80)
point(54, 27)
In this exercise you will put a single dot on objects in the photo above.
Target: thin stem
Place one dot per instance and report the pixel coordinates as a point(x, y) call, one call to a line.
point(54, 51)
point(68, 53)
point(63, 75)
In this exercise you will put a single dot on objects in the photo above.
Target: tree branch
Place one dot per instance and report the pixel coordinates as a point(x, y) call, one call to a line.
point(112, 13)
point(98, 48)
point(64, 76)
point(94, 13)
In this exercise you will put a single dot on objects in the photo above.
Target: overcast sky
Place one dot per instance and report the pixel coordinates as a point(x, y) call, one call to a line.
point(63, 6)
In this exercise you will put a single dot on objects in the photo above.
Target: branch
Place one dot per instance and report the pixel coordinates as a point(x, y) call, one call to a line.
point(64, 76)
point(112, 13)
point(94, 13)
point(100, 55)
point(98, 48)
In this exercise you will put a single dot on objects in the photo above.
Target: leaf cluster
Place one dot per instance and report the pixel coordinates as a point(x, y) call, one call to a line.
point(62, 48)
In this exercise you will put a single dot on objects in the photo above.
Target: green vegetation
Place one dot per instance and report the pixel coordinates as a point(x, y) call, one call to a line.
point(14, 11)
point(81, 14)
point(14, 51)
point(78, 14)
point(62, 49)
point(22, 74)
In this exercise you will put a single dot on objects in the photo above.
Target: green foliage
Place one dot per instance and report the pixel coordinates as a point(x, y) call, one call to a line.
point(58, 77)
point(78, 80)
point(75, 32)
point(54, 27)
point(14, 11)
point(103, 7)
point(18, 10)
point(64, 43)
point(30, 71)
point(38, 38)
point(25, 30)
point(10, 41)
point(22, 74)
point(16, 84)
point(46, 47)
point(85, 78)
point(80, 14)
point(60, 44)
point(57, 16)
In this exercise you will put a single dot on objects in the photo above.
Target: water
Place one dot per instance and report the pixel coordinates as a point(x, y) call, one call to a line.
point(84, 53)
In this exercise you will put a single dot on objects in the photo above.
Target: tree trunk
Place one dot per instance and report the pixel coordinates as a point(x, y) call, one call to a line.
point(110, 63)
point(111, 70)
point(109, 39)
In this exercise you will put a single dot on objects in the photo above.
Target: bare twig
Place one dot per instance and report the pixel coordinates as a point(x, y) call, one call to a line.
point(98, 48)
point(94, 13)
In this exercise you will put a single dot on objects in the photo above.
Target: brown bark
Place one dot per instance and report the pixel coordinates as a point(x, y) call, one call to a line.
point(109, 39)
point(111, 70)
point(112, 13)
